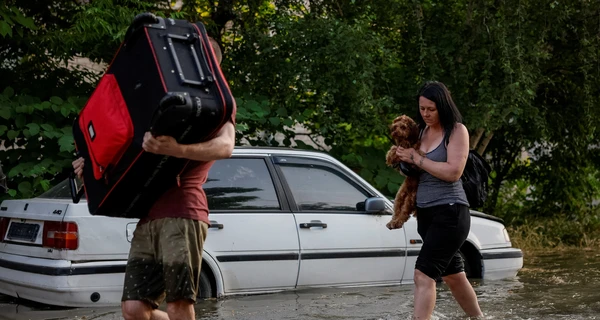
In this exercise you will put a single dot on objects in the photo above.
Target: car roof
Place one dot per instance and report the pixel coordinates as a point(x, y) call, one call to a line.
point(239, 150)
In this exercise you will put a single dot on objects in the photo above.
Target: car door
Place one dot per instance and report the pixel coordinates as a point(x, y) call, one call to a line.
point(340, 244)
point(253, 233)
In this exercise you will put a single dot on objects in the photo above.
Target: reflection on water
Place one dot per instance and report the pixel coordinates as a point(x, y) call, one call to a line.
point(558, 285)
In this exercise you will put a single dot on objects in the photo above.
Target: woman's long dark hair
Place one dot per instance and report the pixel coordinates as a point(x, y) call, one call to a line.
point(447, 110)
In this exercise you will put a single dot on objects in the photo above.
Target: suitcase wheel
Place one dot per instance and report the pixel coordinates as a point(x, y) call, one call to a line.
point(171, 99)
point(173, 111)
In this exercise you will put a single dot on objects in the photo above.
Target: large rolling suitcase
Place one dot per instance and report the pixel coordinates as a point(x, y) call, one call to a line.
point(165, 79)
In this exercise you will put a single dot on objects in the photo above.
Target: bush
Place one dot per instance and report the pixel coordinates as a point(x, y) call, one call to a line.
point(561, 231)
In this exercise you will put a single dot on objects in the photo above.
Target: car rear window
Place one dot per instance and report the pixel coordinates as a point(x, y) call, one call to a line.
point(240, 183)
point(59, 191)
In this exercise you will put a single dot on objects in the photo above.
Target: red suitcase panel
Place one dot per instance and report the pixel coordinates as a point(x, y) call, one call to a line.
point(106, 125)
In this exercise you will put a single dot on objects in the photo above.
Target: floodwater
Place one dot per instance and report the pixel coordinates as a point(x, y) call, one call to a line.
point(555, 285)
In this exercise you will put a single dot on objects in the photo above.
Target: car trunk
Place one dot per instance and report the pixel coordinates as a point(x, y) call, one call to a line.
point(58, 229)
point(34, 228)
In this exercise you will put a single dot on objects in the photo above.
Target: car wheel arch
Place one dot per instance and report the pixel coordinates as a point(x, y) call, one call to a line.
point(473, 259)
point(210, 266)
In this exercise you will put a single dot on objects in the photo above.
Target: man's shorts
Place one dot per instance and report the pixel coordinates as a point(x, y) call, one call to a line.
point(164, 261)
point(444, 229)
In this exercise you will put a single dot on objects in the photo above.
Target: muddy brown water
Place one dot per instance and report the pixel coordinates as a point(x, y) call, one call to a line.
point(556, 285)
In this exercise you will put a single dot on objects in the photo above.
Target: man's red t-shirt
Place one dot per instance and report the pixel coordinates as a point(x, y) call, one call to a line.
point(187, 199)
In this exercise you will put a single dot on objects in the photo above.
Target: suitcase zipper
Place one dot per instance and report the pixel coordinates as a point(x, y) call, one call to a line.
point(92, 154)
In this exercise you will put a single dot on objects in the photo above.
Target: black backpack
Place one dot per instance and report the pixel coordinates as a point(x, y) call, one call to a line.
point(475, 179)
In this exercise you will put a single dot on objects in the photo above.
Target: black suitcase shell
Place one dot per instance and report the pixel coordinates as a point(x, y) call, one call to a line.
point(171, 84)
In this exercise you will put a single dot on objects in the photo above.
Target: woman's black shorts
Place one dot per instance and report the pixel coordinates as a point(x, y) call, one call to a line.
point(444, 229)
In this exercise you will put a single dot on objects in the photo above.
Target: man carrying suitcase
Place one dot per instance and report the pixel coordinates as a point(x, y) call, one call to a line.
point(165, 257)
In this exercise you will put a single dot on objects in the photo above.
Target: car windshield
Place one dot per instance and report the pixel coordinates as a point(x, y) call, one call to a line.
point(59, 191)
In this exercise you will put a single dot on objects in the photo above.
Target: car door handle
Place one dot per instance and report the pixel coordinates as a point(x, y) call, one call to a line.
point(214, 224)
point(314, 223)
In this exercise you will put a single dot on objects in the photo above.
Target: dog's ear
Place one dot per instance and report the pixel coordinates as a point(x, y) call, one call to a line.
point(414, 131)
point(392, 126)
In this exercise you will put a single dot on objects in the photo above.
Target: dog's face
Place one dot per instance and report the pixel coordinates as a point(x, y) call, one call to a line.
point(404, 129)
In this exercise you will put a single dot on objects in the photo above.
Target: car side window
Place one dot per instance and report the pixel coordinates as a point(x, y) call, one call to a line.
point(322, 188)
point(240, 184)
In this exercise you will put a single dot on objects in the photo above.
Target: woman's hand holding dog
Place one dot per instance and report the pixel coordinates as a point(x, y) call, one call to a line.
point(410, 155)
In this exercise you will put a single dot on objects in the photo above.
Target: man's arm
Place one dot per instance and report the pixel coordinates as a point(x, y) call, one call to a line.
point(217, 148)
point(220, 147)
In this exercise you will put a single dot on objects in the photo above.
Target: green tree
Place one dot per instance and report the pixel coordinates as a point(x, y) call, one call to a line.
point(524, 73)
point(42, 86)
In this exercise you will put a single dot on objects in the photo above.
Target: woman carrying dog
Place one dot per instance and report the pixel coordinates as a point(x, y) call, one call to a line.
point(443, 218)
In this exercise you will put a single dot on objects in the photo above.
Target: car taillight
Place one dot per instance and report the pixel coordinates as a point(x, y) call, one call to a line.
point(3, 227)
point(60, 235)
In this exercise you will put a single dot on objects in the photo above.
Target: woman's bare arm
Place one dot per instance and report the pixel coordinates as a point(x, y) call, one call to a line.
point(452, 169)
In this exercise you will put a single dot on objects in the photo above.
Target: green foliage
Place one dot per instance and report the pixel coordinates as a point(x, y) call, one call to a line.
point(324, 76)
point(14, 20)
point(98, 29)
point(331, 75)
point(37, 139)
point(44, 87)
point(498, 59)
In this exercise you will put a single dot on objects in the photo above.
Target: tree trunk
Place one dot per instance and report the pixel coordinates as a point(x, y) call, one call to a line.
point(474, 140)
point(483, 145)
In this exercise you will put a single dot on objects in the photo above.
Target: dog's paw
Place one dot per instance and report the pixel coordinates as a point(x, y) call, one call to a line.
point(394, 225)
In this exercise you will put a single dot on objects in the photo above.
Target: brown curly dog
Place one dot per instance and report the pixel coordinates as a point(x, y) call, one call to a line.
point(405, 133)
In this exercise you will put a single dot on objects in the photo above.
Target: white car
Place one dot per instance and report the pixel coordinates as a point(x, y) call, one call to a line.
point(281, 219)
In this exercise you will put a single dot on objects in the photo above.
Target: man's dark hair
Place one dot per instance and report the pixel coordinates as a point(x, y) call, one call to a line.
point(216, 48)
point(447, 110)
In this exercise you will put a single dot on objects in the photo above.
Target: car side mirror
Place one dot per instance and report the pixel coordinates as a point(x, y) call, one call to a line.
point(374, 205)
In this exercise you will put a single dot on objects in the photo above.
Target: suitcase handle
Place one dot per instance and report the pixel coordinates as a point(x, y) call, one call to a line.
point(138, 23)
point(3, 185)
point(190, 39)
point(75, 194)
